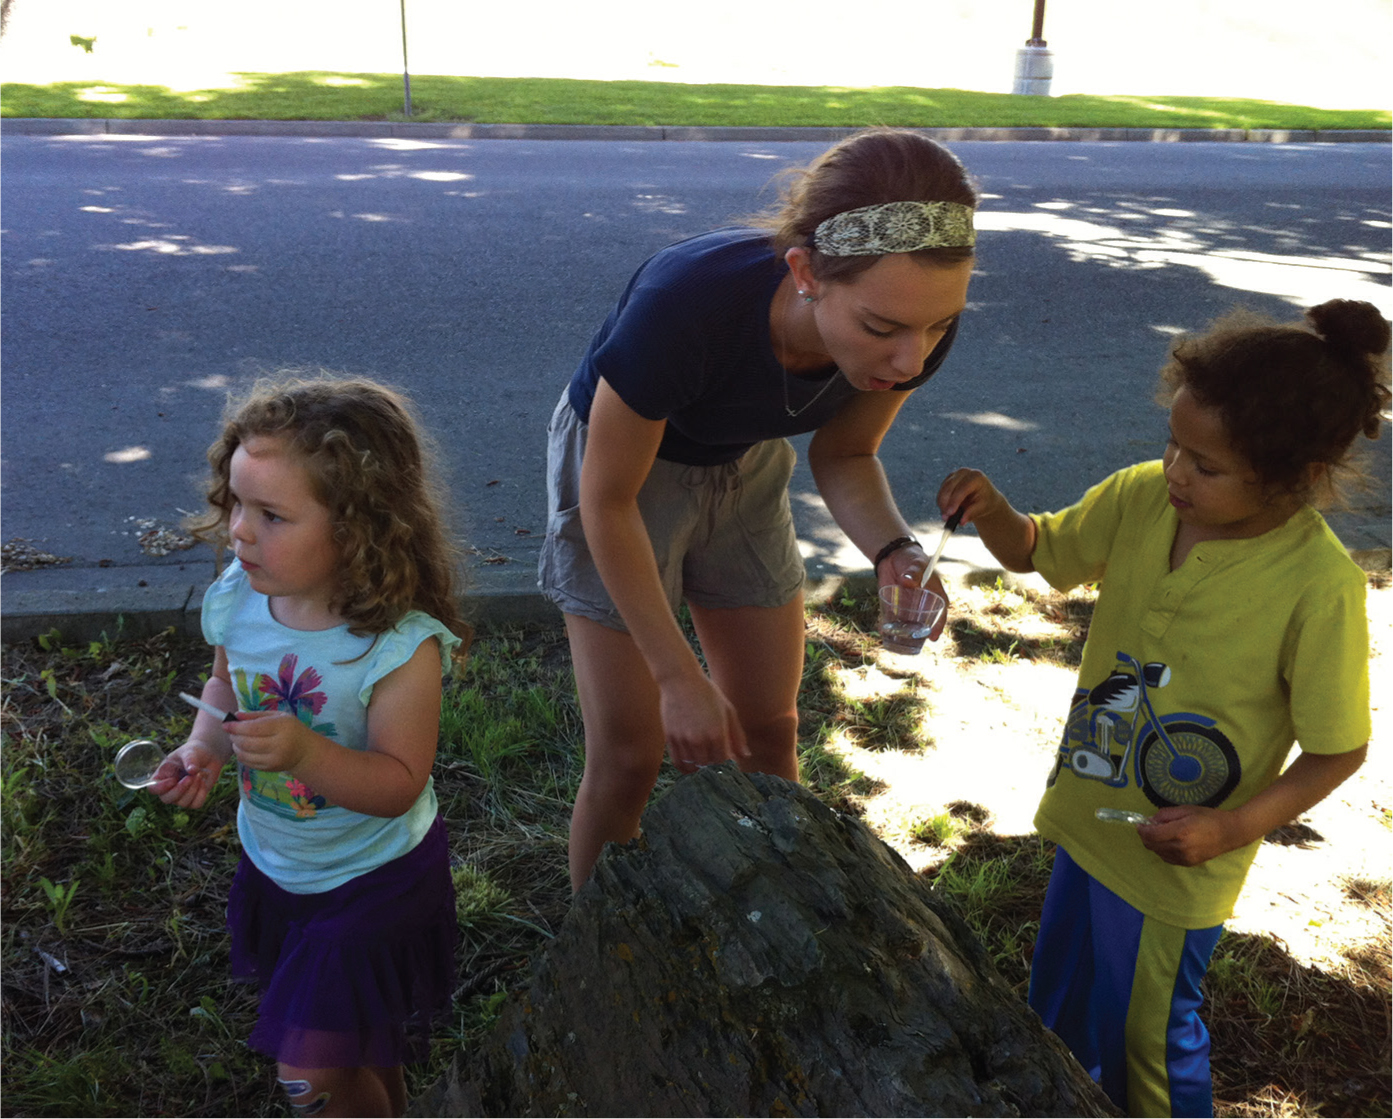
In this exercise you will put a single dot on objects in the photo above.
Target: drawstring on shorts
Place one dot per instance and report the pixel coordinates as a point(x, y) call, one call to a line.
point(719, 486)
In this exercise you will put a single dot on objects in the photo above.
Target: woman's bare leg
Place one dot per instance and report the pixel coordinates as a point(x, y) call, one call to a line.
point(623, 740)
point(755, 656)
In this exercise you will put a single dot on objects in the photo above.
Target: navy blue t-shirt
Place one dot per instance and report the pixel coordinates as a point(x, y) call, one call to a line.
point(688, 342)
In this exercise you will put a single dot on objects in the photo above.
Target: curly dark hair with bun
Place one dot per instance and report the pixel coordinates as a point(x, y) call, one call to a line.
point(370, 466)
point(1291, 396)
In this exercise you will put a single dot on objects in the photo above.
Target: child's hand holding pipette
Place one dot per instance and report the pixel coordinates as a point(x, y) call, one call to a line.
point(1008, 534)
point(274, 740)
point(970, 494)
point(267, 740)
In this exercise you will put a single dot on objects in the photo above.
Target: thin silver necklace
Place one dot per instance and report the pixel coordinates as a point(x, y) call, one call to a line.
point(788, 406)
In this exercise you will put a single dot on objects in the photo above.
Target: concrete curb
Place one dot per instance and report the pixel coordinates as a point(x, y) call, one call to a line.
point(140, 601)
point(85, 602)
point(105, 126)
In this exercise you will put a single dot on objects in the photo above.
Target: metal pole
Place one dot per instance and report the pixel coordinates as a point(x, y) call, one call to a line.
point(405, 72)
point(1037, 29)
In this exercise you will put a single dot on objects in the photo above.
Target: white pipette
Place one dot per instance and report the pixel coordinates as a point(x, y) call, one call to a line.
point(949, 527)
point(225, 716)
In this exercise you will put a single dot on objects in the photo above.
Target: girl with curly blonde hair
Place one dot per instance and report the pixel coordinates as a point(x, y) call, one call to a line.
point(332, 628)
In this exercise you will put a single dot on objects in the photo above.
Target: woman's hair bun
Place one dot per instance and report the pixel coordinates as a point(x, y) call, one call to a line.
point(1351, 326)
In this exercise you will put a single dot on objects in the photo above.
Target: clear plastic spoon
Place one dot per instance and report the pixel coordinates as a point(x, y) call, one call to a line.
point(1120, 816)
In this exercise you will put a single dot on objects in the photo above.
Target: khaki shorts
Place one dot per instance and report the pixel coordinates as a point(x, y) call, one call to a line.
point(722, 535)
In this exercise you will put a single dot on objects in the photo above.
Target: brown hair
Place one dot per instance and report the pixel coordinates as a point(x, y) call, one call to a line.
point(370, 466)
point(1290, 395)
point(866, 169)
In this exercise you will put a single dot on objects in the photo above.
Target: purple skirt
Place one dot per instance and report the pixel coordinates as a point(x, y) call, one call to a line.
point(352, 977)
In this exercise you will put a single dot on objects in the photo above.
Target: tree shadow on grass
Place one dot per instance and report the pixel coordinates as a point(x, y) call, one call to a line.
point(1292, 1039)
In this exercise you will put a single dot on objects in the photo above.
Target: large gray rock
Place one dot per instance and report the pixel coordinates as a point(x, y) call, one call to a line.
point(755, 953)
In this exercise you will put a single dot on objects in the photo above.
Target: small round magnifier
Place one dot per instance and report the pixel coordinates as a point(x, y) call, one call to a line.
point(137, 763)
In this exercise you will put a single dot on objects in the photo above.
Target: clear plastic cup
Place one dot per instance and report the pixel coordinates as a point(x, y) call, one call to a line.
point(907, 615)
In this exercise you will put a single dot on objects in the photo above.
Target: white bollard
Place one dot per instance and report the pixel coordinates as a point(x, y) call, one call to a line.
point(1034, 71)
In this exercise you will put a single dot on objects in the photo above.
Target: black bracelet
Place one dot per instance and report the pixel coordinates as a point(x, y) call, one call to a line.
point(894, 546)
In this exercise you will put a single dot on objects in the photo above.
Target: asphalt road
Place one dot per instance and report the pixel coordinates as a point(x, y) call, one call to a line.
point(145, 277)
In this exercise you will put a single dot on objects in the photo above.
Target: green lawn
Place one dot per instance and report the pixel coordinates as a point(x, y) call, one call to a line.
point(345, 96)
point(117, 994)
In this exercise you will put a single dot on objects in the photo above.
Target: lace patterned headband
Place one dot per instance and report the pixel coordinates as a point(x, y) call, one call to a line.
point(896, 227)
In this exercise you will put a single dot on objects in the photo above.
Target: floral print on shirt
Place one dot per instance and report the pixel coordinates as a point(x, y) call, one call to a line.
point(296, 694)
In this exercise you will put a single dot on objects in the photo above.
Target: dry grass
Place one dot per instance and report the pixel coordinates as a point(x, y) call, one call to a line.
point(116, 999)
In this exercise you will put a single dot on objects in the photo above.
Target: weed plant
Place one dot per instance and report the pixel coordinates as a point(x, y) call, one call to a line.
point(117, 1000)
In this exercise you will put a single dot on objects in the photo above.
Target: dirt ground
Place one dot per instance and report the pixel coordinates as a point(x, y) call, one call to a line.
point(995, 727)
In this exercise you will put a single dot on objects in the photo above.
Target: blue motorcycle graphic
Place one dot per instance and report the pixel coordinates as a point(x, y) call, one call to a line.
point(1175, 759)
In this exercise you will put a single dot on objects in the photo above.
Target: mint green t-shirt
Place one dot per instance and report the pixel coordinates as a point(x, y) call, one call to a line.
point(298, 839)
point(1196, 682)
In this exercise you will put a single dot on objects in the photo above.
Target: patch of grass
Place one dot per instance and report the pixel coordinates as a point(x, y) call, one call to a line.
point(971, 816)
point(997, 885)
point(1292, 1039)
point(1239, 973)
point(835, 780)
point(117, 994)
point(885, 722)
point(512, 728)
point(333, 95)
point(477, 896)
point(843, 628)
point(840, 656)
point(937, 830)
point(1375, 893)
point(944, 829)
point(999, 624)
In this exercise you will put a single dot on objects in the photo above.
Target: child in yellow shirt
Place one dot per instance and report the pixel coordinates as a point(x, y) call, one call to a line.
point(1230, 624)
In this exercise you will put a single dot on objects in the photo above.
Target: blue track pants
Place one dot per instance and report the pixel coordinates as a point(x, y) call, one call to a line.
point(1122, 990)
